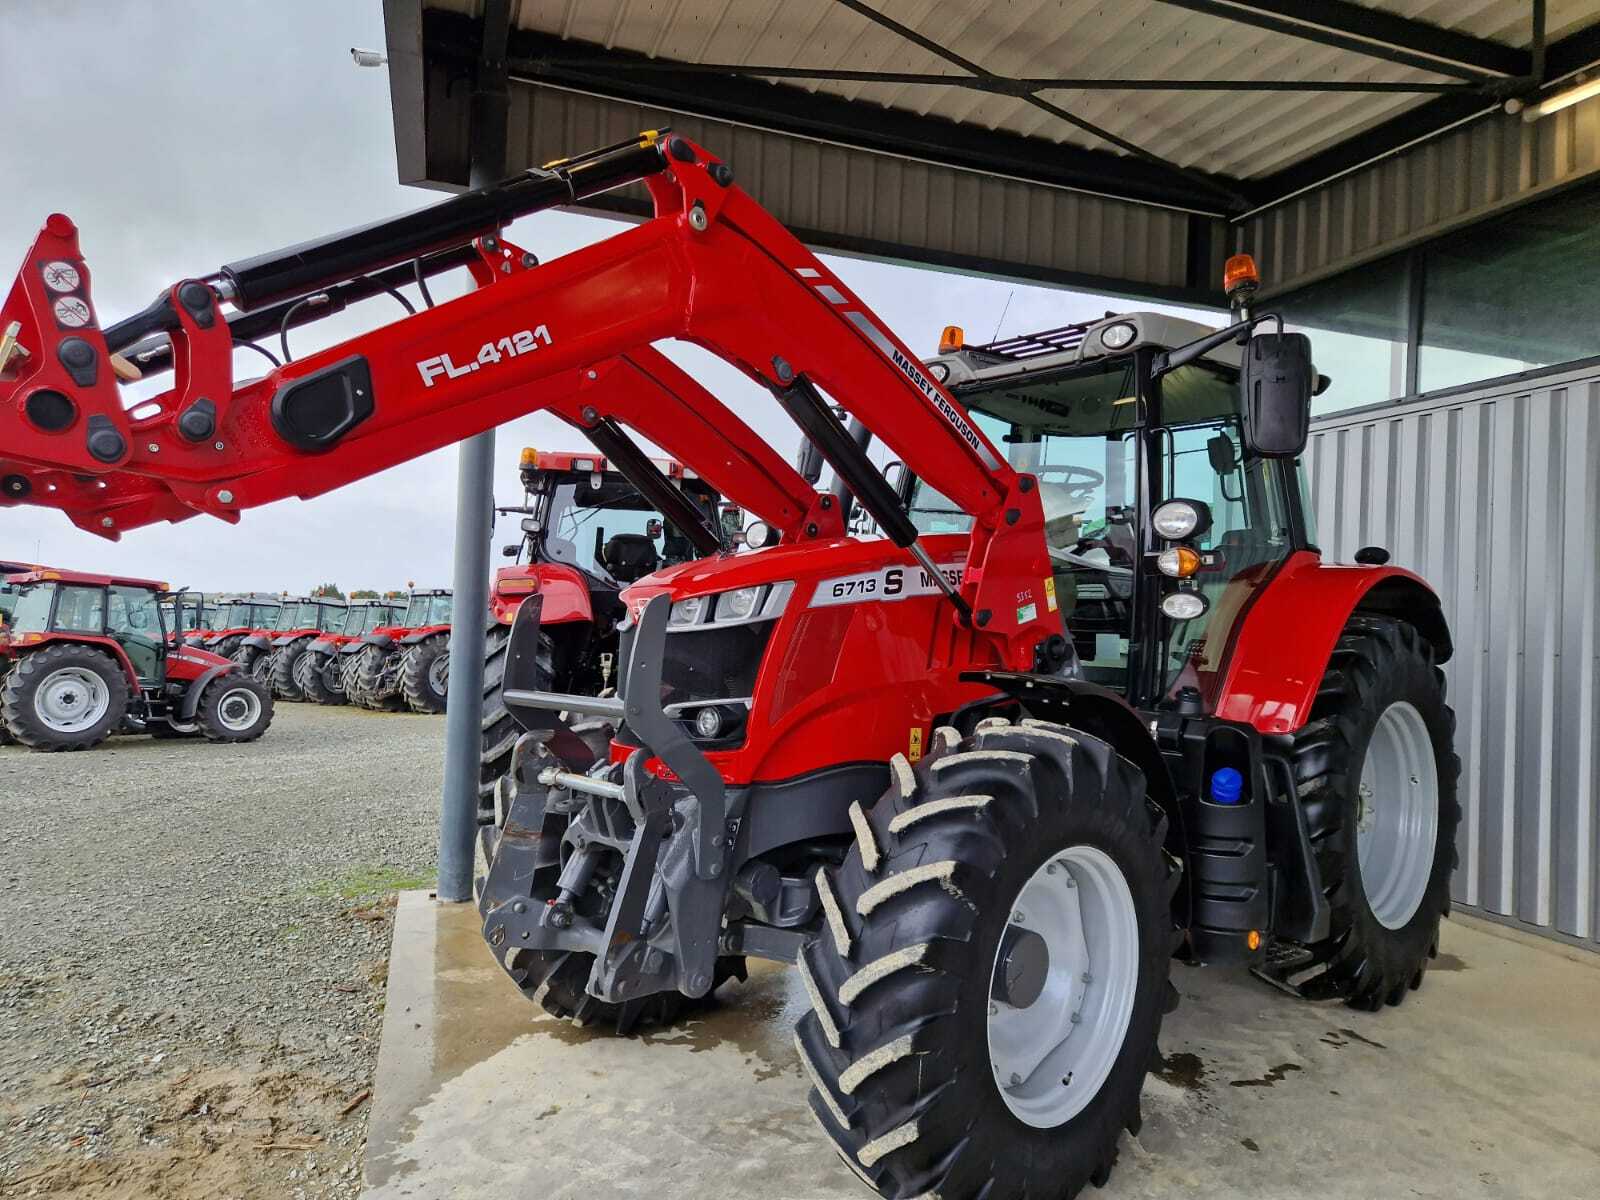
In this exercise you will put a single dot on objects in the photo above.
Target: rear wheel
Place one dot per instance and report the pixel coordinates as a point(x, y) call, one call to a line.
point(255, 662)
point(227, 645)
point(234, 708)
point(284, 661)
point(425, 674)
point(1377, 773)
point(989, 987)
point(64, 697)
point(319, 678)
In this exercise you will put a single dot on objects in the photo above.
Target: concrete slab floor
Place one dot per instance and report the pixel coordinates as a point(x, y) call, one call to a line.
point(1484, 1084)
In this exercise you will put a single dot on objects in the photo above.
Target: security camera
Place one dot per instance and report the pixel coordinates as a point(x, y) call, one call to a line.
point(368, 58)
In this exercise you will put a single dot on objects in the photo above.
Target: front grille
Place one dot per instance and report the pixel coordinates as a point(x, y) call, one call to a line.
point(715, 663)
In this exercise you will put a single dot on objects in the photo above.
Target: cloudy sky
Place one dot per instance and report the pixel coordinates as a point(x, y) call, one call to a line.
point(180, 135)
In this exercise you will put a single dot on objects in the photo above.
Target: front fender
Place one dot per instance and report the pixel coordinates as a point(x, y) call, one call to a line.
point(1286, 639)
point(191, 695)
point(565, 591)
point(258, 642)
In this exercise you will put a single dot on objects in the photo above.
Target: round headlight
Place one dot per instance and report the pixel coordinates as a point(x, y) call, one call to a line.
point(758, 535)
point(1115, 337)
point(1176, 519)
point(738, 604)
point(939, 370)
point(1184, 606)
point(708, 722)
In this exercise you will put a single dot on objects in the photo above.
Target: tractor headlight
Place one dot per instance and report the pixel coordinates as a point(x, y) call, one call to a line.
point(1179, 519)
point(1184, 606)
point(1115, 337)
point(738, 604)
point(688, 611)
point(708, 722)
point(1179, 562)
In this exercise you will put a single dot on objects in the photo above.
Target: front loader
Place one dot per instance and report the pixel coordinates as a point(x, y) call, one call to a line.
point(980, 833)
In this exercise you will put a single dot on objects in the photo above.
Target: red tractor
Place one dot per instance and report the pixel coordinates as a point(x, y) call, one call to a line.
point(314, 618)
point(299, 620)
point(91, 656)
point(240, 617)
point(587, 533)
point(980, 832)
point(319, 671)
point(407, 664)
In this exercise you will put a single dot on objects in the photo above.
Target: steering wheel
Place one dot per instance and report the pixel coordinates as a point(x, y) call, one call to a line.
point(1080, 482)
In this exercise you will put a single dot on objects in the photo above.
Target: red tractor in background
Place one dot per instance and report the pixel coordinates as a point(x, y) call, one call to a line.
point(90, 655)
point(299, 617)
point(240, 617)
point(407, 664)
point(314, 617)
point(980, 835)
point(319, 671)
point(587, 533)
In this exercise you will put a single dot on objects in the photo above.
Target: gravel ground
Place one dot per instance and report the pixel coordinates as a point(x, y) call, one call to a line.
point(193, 946)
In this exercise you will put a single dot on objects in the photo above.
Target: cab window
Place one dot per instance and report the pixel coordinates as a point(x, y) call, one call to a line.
point(81, 610)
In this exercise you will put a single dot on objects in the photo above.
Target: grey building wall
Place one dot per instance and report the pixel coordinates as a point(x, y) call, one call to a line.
point(1474, 171)
point(1493, 495)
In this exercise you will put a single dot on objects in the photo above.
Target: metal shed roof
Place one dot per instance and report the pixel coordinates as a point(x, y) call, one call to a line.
point(1218, 108)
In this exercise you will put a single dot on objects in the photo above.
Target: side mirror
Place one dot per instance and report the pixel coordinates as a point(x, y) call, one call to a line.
point(653, 527)
point(529, 524)
point(509, 551)
point(1276, 384)
point(732, 519)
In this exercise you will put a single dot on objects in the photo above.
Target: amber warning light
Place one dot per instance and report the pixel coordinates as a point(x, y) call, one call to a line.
point(952, 339)
point(1240, 276)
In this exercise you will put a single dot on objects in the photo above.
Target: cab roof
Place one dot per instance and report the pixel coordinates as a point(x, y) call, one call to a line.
point(85, 578)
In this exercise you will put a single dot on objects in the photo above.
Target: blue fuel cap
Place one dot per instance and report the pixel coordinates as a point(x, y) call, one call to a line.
point(1226, 786)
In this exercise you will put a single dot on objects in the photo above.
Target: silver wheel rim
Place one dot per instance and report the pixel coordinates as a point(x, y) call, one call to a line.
point(1397, 815)
point(1051, 1058)
point(72, 699)
point(439, 674)
point(238, 709)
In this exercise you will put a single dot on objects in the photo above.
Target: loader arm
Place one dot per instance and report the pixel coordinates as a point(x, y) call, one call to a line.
point(711, 267)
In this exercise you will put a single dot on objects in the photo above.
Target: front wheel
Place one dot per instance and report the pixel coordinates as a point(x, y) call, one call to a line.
point(64, 697)
point(284, 662)
point(369, 683)
point(425, 674)
point(990, 983)
point(234, 708)
point(1377, 771)
point(318, 677)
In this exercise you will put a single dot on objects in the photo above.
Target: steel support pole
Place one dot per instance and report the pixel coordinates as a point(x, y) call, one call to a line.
point(458, 810)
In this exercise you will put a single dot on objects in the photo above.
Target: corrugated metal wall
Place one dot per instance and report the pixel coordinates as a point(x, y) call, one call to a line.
point(1494, 496)
point(1453, 180)
point(856, 200)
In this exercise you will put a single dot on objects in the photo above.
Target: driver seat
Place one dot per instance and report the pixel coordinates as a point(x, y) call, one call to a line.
point(629, 556)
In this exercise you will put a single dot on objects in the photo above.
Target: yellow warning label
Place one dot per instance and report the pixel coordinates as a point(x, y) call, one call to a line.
point(1050, 592)
point(914, 750)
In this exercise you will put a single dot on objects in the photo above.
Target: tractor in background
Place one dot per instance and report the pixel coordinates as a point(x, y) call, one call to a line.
point(315, 617)
point(319, 670)
point(91, 656)
point(586, 534)
point(407, 664)
point(240, 617)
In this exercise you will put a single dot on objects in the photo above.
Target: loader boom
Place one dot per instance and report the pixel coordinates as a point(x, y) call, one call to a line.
point(711, 267)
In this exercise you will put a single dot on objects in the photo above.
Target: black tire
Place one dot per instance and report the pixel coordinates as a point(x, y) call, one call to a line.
point(903, 1081)
point(1376, 663)
point(227, 645)
point(318, 676)
point(500, 731)
point(373, 690)
point(421, 684)
point(255, 662)
point(284, 660)
point(20, 693)
point(219, 716)
point(556, 981)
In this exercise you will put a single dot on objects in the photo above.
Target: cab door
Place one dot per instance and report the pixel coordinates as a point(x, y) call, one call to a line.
point(133, 617)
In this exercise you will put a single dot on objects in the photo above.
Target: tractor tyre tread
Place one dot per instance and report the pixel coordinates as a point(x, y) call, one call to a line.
point(902, 1080)
point(414, 674)
point(284, 661)
point(206, 714)
point(29, 671)
point(1376, 662)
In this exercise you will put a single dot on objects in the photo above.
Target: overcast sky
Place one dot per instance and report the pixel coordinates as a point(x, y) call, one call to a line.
point(180, 135)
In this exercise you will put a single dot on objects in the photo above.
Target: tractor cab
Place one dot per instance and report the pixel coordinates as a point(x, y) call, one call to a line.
point(580, 511)
point(1136, 465)
point(425, 610)
point(311, 614)
point(192, 614)
point(126, 614)
point(365, 616)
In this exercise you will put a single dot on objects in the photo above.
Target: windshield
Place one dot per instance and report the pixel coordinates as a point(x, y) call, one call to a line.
point(427, 610)
point(375, 615)
point(1081, 430)
point(611, 531)
point(32, 614)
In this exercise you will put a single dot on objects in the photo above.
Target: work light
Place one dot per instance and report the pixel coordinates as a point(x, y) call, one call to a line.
point(1179, 519)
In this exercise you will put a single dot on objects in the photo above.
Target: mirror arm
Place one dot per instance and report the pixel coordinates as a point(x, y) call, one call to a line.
point(1171, 360)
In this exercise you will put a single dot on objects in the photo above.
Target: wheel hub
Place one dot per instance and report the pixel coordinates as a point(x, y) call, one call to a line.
point(438, 671)
point(238, 709)
point(1397, 815)
point(1065, 976)
point(72, 699)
